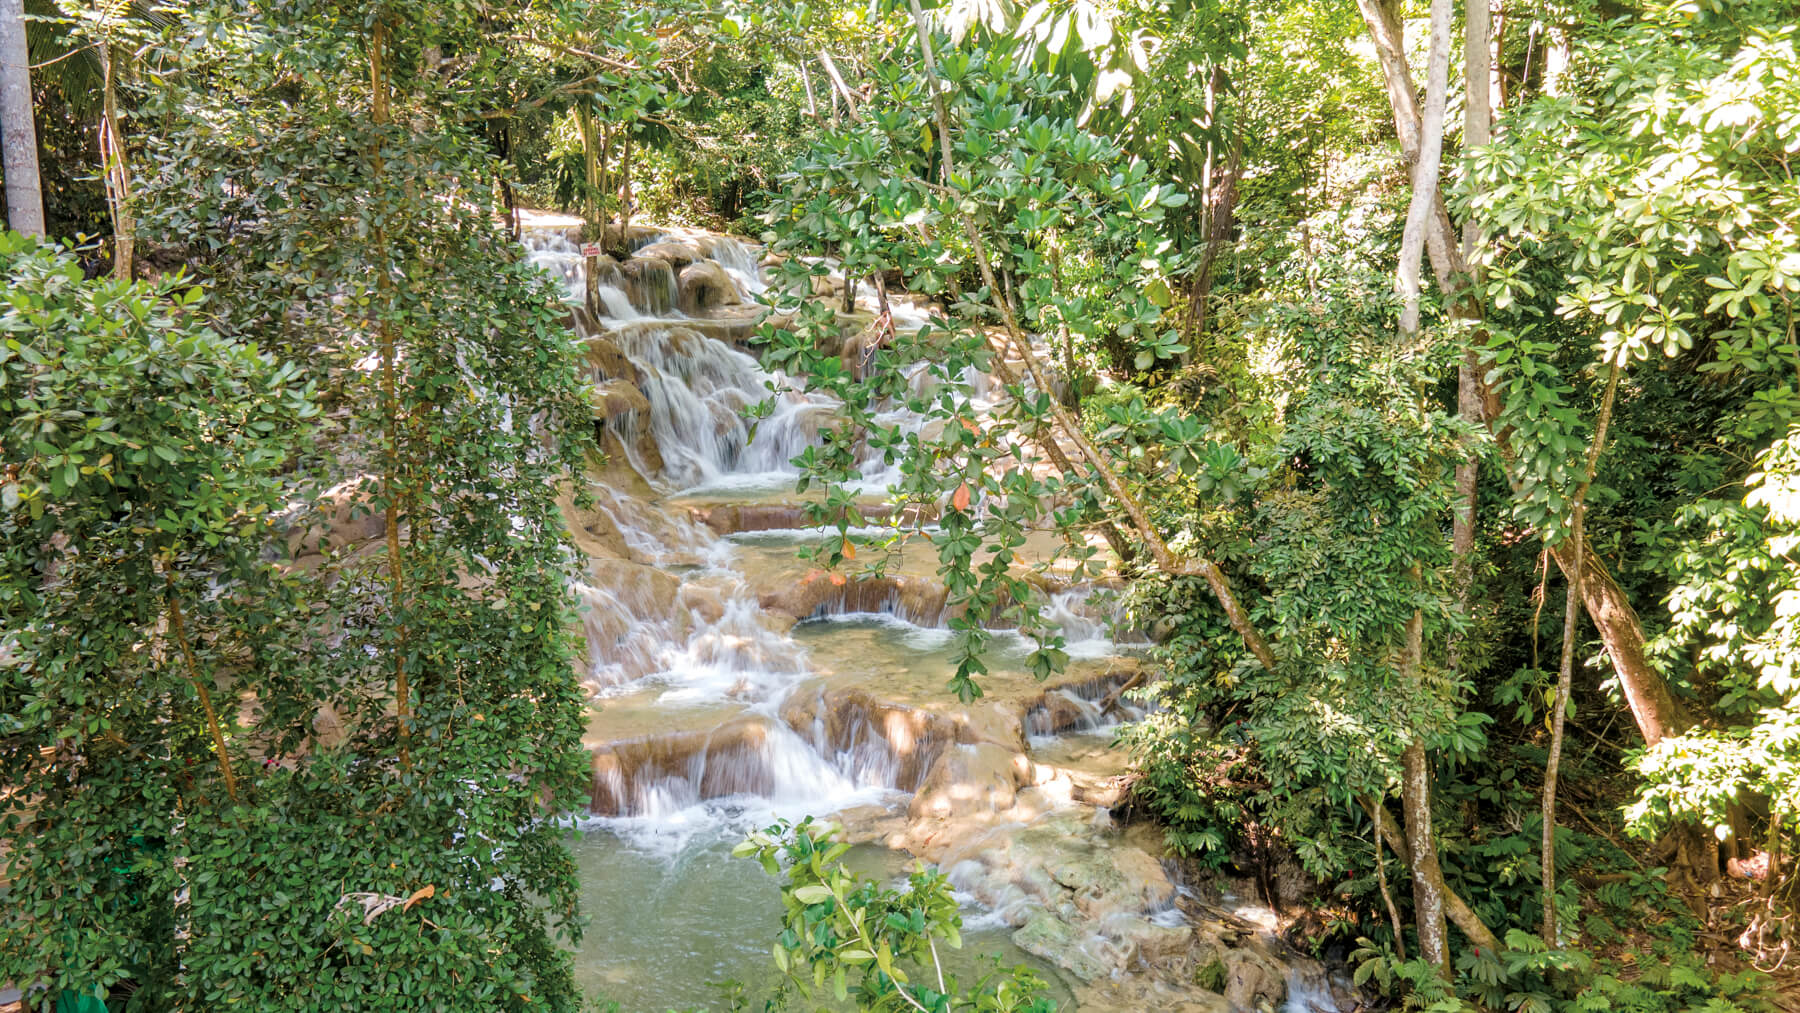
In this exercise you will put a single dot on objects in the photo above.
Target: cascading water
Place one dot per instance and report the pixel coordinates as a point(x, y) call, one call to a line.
point(715, 714)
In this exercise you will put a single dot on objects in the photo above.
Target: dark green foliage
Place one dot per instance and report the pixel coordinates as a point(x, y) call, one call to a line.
point(409, 861)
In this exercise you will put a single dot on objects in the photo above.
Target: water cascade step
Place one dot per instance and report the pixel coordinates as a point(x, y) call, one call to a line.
point(733, 683)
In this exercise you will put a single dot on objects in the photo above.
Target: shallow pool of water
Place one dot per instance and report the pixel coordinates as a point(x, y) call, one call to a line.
point(664, 927)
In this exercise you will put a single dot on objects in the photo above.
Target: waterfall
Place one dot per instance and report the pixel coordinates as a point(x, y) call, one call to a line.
point(675, 626)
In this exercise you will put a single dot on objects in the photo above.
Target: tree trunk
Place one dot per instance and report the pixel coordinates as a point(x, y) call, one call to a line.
point(1455, 908)
point(113, 159)
point(595, 231)
point(1477, 132)
point(1565, 679)
point(1221, 216)
point(1654, 707)
point(1415, 802)
point(625, 202)
point(1428, 877)
point(24, 193)
point(1425, 168)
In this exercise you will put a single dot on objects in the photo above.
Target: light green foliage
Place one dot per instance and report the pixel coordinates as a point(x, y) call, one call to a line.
point(851, 939)
point(1069, 225)
point(1646, 219)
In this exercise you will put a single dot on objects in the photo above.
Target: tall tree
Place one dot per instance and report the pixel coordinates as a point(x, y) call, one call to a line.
point(18, 129)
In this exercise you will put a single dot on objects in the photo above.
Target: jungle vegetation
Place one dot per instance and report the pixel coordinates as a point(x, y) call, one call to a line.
point(1431, 369)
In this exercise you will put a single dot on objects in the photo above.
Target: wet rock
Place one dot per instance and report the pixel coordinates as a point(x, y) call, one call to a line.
point(915, 599)
point(646, 590)
point(1044, 935)
point(1136, 994)
point(683, 766)
point(678, 253)
point(609, 361)
point(595, 532)
point(704, 603)
point(732, 518)
point(1253, 981)
point(887, 743)
point(1152, 940)
point(615, 398)
point(966, 780)
point(581, 322)
point(650, 282)
point(706, 286)
point(1057, 712)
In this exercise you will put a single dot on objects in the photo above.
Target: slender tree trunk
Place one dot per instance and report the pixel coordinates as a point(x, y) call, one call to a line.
point(390, 403)
point(1497, 68)
point(606, 176)
point(1477, 132)
point(1415, 794)
point(1565, 679)
point(837, 82)
point(595, 231)
point(24, 193)
point(1556, 59)
point(178, 630)
point(1220, 218)
point(114, 160)
point(625, 201)
point(1455, 908)
point(1415, 801)
point(1425, 168)
point(1387, 896)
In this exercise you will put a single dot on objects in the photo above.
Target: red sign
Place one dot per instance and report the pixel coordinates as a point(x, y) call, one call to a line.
point(592, 250)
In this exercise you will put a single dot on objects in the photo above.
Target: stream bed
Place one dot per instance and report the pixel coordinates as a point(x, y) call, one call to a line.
point(734, 684)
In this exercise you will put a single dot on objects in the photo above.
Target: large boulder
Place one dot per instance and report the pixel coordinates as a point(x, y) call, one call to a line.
point(900, 744)
point(819, 593)
point(678, 252)
point(706, 286)
point(609, 361)
point(1047, 936)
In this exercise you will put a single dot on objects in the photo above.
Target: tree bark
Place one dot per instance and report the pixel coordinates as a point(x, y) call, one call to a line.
point(1477, 132)
point(595, 232)
point(1220, 217)
point(24, 190)
point(113, 158)
point(1415, 803)
point(1425, 167)
point(1654, 707)
point(1455, 908)
point(1565, 679)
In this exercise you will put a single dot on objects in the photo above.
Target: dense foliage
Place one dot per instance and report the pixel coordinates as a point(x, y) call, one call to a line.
point(286, 706)
point(253, 759)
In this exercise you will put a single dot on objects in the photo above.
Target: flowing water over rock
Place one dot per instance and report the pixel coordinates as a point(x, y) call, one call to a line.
point(733, 684)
